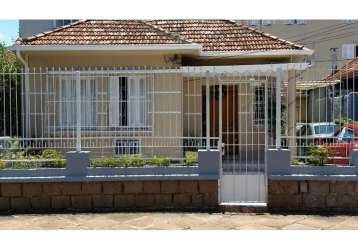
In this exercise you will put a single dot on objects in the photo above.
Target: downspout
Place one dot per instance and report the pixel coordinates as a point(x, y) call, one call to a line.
point(26, 92)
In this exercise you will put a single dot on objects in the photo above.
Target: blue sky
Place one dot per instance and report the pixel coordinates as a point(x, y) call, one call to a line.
point(9, 31)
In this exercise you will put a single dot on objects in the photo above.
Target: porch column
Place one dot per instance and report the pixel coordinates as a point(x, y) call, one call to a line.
point(292, 112)
point(207, 106)
point(78, 111)
point(279, 77)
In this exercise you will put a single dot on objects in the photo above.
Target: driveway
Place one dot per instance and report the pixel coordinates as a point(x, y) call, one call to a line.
point(177, 221)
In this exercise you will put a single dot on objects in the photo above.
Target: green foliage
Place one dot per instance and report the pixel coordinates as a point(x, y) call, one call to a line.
point(343, 121)
point(19, 160)
point(135, 160)
point(191, 157)
point(318, 155)
point(2, 164)
point(158, 161)
point(296, 162)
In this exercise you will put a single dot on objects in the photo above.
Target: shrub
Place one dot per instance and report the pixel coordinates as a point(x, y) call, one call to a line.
point(51, 154)
point(2, 164)
point(342, 121)
point(191, 157)
point(318, 155)
point(158, 161)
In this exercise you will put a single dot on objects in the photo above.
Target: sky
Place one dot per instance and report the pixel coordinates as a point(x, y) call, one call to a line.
point(9, 31)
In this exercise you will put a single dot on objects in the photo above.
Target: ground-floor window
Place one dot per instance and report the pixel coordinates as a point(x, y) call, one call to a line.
point(68, 108)
point(128, 105)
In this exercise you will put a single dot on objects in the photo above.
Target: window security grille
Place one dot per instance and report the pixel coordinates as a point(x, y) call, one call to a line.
point(126, 146)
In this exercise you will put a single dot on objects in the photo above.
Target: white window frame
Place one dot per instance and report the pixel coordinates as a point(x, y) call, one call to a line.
point(254, 22)
point(267, 22)
point(348, 51)
point(66, 126)
point(134, 104)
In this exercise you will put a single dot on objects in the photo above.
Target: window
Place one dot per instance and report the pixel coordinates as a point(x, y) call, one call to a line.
point(347, 135)
point(349, 51)
point(254, 22)
point(126, 146)
point(267, 22)
point(350, 21)
point(295, 21)
point(128, 103)
point(68, 108)
point(62, 22)
point(259, 106)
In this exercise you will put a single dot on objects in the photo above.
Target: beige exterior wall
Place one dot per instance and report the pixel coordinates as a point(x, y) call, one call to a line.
point(319, 35)
point(163, 90)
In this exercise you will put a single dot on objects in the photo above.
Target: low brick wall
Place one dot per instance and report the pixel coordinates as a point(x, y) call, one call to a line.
point(313, 195)
point(111, 196)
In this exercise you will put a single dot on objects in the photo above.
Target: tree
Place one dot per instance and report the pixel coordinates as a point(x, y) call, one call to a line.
point(10, 93)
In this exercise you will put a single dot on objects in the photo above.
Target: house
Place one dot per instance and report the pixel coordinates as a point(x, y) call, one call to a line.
point(136, 95)
point(161, 88)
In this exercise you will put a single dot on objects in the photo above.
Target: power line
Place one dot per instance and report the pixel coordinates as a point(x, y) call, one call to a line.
point(332, 31)
point(313, 31)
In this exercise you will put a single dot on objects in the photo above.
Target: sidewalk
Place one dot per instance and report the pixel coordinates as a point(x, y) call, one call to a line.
point(177, 221)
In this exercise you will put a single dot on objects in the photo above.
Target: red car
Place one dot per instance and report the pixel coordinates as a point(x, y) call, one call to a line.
point(346, 140)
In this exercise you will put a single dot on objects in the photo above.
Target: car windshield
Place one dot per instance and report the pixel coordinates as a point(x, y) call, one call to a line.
point(324, 129)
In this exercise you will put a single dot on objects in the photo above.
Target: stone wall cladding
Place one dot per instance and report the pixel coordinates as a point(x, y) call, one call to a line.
point(110, 196)
point(313, 196)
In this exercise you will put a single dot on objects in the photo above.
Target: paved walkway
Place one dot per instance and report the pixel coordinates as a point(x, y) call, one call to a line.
point(177, 221)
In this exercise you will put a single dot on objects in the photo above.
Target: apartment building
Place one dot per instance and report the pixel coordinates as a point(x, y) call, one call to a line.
point(335, 42)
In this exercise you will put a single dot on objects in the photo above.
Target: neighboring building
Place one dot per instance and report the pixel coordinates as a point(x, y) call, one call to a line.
point(335, 42)
point(32, 27)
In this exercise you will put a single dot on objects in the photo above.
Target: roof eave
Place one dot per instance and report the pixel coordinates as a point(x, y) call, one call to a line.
point(146, 47)
point(253, 54)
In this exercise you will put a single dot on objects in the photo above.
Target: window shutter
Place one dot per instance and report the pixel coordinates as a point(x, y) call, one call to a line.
point(113, 102)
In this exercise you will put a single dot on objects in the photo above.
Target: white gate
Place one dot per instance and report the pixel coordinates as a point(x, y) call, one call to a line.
point(237, 107)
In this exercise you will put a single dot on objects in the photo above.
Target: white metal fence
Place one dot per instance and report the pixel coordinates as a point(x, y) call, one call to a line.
point(108, 111)
point(165, 112)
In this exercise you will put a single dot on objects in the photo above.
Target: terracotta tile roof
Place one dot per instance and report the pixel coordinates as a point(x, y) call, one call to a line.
point(224, 35)
point(213, 35)
point(103, 32)
point(344, 71)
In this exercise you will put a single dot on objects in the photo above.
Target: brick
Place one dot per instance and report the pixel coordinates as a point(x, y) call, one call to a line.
point(144, 200)
point(102, 201)
point(342, 187)
point(112, 187)
point(169, 187)
point(81, 201)
point(318, 187)
point(10, 189)
point(188, 187)
point(40, 202)
point(197, 200)
point(206, 187)
point(331, 200)
point(163, 200)
point(124, 201)
point(20, 203)
point(71, 188)
point(283, 187)
point(4, 203)
point(61, 202)
point(285, 201)
point(314, 201)
point(151, 187)
point(52, 188)
point(32, 189)
point(91, 188)
point(345, 201)
point(211, 200)
point(182, 200)
point(133, 187)
point(303, 187)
